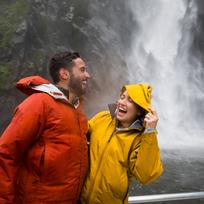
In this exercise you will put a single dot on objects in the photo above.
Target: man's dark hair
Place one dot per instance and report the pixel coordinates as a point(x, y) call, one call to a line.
point(59, 60)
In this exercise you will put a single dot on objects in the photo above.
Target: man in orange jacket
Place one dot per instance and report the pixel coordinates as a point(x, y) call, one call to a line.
point(43, 151)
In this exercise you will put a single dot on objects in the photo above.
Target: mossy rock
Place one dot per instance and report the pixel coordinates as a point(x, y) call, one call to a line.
point(11, 14)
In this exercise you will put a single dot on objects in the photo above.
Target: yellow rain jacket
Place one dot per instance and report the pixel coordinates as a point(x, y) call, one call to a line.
point(117, 155)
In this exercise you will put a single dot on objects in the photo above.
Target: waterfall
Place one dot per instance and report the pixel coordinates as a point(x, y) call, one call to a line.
point(160, 55)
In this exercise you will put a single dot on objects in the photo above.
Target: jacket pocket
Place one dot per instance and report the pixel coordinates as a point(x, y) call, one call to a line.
point(36, 159)
point(121, 189)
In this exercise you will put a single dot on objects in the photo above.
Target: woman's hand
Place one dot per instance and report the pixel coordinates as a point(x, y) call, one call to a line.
point(151, 119)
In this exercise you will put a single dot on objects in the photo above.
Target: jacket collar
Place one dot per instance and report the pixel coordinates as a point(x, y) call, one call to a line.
point(31, 84)
point(55, 92)
point(51, 90)
point(137, 124)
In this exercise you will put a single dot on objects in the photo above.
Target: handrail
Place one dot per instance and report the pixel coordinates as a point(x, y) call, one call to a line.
point(165, 197)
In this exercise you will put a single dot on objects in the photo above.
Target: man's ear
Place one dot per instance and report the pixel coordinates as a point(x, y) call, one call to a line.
point(64, 74)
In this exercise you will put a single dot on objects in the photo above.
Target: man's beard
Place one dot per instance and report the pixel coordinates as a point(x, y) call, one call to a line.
point(75, 84)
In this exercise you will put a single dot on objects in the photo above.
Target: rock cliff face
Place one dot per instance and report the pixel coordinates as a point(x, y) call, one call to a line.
point(31, 31)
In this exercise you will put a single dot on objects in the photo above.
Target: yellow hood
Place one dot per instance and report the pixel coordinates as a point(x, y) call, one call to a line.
point(140, 94)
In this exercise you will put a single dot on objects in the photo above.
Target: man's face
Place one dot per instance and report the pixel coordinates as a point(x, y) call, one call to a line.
point(78, 77)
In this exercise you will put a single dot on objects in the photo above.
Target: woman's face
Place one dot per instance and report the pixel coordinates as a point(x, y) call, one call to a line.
point(126, 111)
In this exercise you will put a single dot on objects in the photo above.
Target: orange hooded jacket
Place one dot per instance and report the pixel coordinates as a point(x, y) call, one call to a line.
point(43, 152)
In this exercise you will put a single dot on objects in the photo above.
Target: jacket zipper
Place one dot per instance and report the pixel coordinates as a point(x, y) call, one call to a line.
point(77, 114)
point(99, 166)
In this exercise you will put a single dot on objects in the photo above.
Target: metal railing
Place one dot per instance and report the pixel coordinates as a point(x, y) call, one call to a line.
point(165, 197)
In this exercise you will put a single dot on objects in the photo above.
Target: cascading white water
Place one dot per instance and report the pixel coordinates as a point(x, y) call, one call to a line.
point(160, 56)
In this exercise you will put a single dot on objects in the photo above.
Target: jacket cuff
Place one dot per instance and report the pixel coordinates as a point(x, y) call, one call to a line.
point(149, 130)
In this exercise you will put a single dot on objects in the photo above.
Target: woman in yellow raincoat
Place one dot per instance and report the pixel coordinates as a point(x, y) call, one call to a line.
point(123, 144)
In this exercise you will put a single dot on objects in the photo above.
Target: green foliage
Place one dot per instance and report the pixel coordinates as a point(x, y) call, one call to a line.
point(5, 73)
point(37, 60)
point(10, 16)
point(39, 57)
